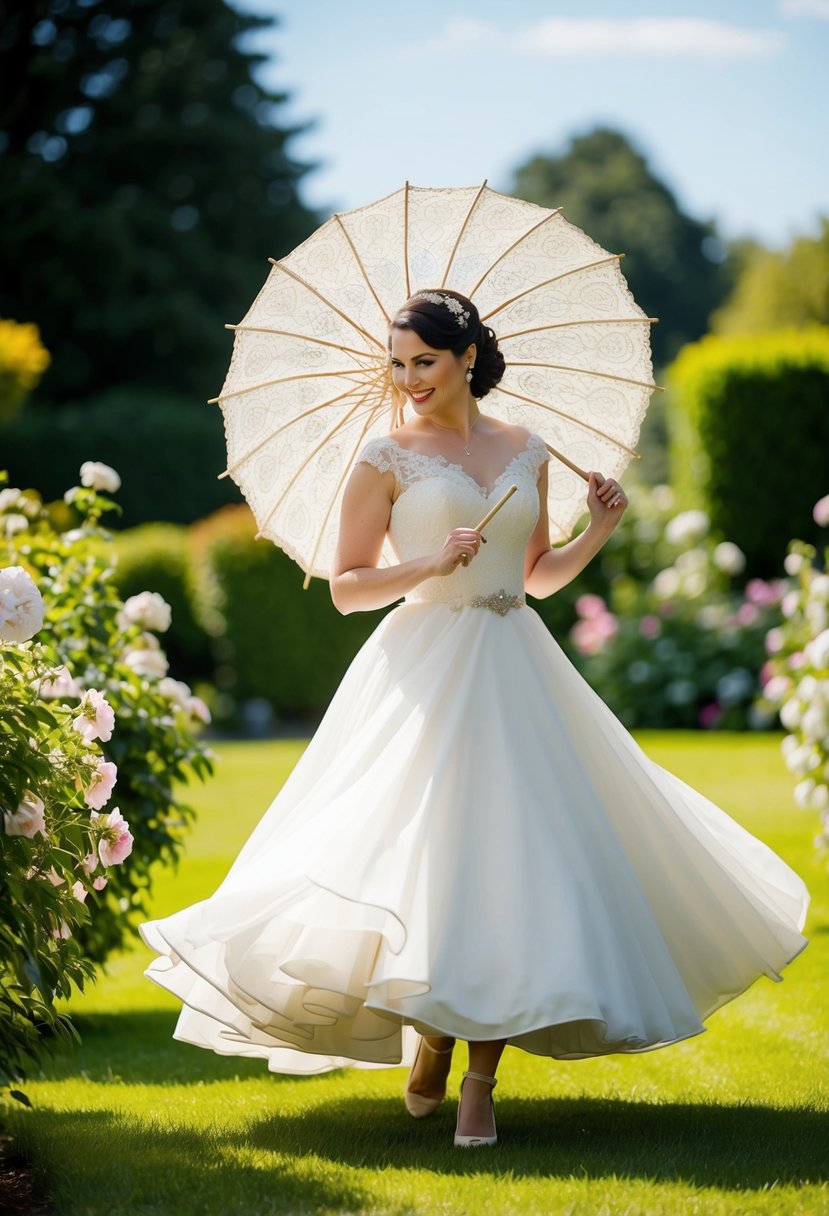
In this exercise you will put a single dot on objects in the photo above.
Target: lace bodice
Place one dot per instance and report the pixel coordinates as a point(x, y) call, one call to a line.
point(436, 496)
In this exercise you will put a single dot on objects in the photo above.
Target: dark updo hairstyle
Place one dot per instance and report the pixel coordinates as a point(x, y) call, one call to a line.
point(454, 327)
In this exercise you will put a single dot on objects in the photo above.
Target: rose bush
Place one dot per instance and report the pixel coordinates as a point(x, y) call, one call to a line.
point(676, 643)
point(80, 717)
point(796, 677)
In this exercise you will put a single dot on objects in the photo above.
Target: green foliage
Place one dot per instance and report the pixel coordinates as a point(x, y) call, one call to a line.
point(779, 290)
point(154, 557)
point(273, 640)
point(676, 645)
point(170, 452)
point(144, 180)
point(41, 759)
point(103, 645)
point(674, 264)
point(798, 677)
point(749, 427)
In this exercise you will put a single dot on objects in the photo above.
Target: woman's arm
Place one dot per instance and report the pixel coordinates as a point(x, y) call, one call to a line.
point(547, 570)
point(356, 583)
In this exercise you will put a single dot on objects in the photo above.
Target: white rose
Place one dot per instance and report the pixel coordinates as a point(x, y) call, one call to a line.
point(14, 523)
point(687, 528)
point(790, 714)
point(819, 587)
point(21, 605)
point(59, 683)
point(817, 651)
point(803, 792)
point(817, 615)
point(176, 691)
point(147, 609)
point(9, 498)
point(691, 559)
point(777, 688)
point(694, 584)
point(789, 603)
point(666, 584)
point(99, 477)
point(814, 724)
point(806, 688)
point(729, 558)
point(820, 798)
point(146, 662)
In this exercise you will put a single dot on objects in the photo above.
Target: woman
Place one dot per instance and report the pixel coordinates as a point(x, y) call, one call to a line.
point(472, 846)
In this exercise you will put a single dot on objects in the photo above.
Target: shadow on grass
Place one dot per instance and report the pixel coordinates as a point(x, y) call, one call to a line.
point(744, 1147)
point(732, 1147)
point(104, 1163)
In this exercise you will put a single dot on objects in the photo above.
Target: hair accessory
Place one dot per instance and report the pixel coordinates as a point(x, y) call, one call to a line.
point(455, 307)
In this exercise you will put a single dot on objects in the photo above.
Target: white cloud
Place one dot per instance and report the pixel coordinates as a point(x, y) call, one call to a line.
point(594, 37)
point(805, 8)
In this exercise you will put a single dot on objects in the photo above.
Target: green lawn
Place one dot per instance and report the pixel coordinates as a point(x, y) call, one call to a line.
point(732, 1121)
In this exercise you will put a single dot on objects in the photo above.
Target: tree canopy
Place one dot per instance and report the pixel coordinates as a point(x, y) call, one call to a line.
point(144, 181)
point(675, 264)
point(779, 290)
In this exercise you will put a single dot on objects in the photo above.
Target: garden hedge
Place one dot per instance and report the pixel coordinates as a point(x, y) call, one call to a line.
point(154, 557)
point(749, 437)
point(272, 639)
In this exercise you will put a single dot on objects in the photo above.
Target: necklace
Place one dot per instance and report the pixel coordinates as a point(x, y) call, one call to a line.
point(438, 427)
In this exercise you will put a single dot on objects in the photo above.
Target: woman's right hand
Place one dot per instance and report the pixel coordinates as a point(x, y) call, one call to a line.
point(459, 548)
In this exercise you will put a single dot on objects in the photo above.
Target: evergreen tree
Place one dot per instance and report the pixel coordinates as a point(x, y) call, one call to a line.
point(144, 181)
point(674, 264)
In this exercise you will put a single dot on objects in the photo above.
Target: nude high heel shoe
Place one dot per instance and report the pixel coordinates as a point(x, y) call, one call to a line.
point(418, 1106)
point(475, 1141)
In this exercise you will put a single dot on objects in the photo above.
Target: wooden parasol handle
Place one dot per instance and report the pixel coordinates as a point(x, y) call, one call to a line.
point(569, 463)
point(480, 527)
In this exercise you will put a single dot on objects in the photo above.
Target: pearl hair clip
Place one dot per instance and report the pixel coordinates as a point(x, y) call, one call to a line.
point(454, 306)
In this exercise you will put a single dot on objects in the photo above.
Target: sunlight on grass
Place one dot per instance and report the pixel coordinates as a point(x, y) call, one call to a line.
point(732, 1121)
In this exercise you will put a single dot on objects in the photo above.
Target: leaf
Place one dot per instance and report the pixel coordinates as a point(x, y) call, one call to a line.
point(19, 1096)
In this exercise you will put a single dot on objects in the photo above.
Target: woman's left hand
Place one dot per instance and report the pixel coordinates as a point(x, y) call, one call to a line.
point(606, 501)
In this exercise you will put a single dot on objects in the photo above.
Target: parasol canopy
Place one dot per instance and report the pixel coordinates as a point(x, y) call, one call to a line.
point(309, 379)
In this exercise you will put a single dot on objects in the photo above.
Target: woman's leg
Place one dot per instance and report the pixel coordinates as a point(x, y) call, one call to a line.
point(475, 1114)
point(428, 1076)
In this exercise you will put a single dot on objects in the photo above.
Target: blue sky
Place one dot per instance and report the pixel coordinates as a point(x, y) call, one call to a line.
point(729, 101)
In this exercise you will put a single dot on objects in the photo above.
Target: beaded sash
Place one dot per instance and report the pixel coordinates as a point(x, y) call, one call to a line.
point(498, 601)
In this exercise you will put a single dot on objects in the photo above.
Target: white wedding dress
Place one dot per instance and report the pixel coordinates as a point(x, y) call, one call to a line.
point(473, 845)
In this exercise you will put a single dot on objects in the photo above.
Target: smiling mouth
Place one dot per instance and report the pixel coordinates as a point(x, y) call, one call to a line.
point(419, 398)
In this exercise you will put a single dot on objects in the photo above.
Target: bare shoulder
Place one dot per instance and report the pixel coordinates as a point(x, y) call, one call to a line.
point(516, 436)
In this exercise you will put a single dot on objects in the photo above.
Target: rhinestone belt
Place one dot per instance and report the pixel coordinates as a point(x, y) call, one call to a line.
point(498, 601)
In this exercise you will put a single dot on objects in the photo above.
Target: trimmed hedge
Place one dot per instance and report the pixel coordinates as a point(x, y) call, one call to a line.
point(272, 640)
point(168, 452)
point(749, 436)
point(155, 557)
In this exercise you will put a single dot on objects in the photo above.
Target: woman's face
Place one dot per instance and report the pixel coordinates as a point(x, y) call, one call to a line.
point(431, 379)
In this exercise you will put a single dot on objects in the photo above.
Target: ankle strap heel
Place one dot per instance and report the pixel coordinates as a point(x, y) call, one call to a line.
point(475, 1141)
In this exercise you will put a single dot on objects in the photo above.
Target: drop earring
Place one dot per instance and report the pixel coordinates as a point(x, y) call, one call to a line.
point(469, 373)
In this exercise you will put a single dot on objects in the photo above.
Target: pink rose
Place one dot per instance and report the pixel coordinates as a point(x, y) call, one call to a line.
point(820, 512)
point(99, 790)
point(650, 626)
point(96, 719)
point(28, 819)
point(747, 613)
point(589, 606)
point(115, 840)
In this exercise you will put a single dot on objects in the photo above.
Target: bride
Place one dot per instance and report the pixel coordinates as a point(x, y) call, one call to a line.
point(472, 846)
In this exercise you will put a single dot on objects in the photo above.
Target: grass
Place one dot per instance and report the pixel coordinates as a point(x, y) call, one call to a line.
point(733, 1121)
